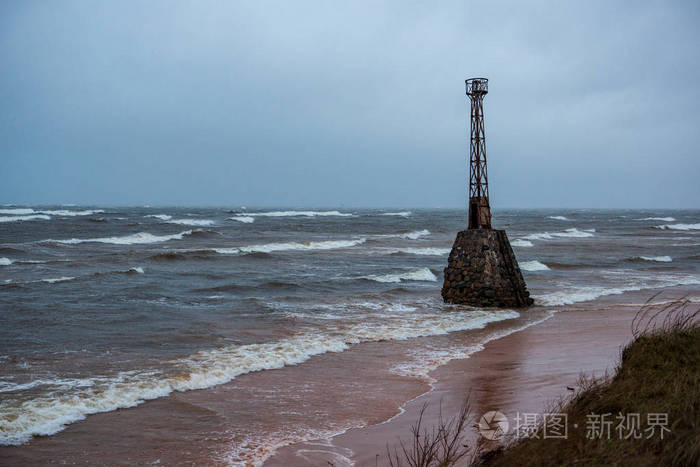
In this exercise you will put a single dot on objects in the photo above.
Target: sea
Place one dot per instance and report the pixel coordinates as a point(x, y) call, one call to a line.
point(225, 333)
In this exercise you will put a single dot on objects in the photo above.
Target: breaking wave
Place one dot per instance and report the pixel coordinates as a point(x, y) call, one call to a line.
point(521, 243)
point(423, 274)
point(584, 294)
point(49, 414)
point(24, 218)
point(244, 219)
point(58, 279)
point(427, 251)
point(663, 219)
point(5, 261)
point(679, 226)
point(271, 247)
point(192, 222)
point(661, 259)
point(134, 239)
point(559, 218)
point(567, 233)
point(163, 217)
point(400, 214)
point(299, 214)
point(533, 266)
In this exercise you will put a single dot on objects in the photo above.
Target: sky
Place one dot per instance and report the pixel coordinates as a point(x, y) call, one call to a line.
point(591, 104)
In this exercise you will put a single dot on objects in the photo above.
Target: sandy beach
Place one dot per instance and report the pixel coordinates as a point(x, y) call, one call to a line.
point(523, 372)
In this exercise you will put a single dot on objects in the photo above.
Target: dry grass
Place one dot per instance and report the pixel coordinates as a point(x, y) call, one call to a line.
point(659, 372)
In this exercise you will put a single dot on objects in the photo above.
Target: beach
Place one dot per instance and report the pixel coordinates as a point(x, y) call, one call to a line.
point(528, 371)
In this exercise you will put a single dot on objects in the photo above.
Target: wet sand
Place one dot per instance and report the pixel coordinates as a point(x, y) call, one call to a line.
point(524, 372)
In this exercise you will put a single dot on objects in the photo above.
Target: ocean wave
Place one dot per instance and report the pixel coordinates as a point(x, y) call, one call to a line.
point(427, 251)
point(163, 217)
point(288, 246)
point(299, 214)
point(133, 239)
point(533, 266)
point(679, 227)
point(573, 232)
point(662, 259)
point(584, 294)
point(49, 414)
point(244, 219)
point(423, 274)
point(17, 211)
point(192, 222)
point(400, 214)
point(521, 243)
point(5, 261)
point(66, 213)
point(25, 218)
point(559, 218)
point(58, 279)
point(663, 219)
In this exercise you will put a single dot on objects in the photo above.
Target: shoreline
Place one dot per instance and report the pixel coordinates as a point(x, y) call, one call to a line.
point(525, 371)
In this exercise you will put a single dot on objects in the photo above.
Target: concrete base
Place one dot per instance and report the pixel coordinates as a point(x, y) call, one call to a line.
point(482, 271)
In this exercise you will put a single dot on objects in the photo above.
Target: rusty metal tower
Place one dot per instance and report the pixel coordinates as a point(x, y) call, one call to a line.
point(479, 209)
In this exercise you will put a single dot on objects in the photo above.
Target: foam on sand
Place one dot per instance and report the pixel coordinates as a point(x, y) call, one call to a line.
point(299, 214)
point(679, 227)
point(244, 219)
point(533, 266)
point(134, 239)
point(51, 413)
point(423, 274)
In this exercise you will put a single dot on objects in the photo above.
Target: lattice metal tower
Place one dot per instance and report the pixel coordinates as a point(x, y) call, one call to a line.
point(479, 209)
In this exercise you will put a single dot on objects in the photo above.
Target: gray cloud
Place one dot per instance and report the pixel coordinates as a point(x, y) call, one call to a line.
point(592, 104)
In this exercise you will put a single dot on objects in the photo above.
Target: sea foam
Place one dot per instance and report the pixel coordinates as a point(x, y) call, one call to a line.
point(299, 214)
point(134, 239)
point(679, 226)
point(272, 247)
point(5, 261)
point(192, 222)
point(533, 266)
point(422, 274)
point(49, 414)
point(244, 219)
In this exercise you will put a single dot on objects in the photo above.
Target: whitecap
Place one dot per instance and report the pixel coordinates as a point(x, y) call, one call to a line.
point(244, 219)
point(533, 266)
point(289, 246)
point(25, 218)
point(64, 213)
point(136, 270)
point(415, 235)
point(299, 214)
point(573, 232)
point(679, 226)
point(663, 219)
point(163, 217)
point(399, 214)
point(193, 222)
point(521, 243)
point(58, 279)
point(5, 261)
point(423, 274)
point(134, 239)
point(559, 218)
point(427, 251)
point(662, 259)
point(17, 211)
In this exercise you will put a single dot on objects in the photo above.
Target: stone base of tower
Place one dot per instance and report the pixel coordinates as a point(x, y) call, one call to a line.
point(482, 271)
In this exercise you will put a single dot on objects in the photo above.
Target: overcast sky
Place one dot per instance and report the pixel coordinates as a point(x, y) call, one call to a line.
point(330, 103)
